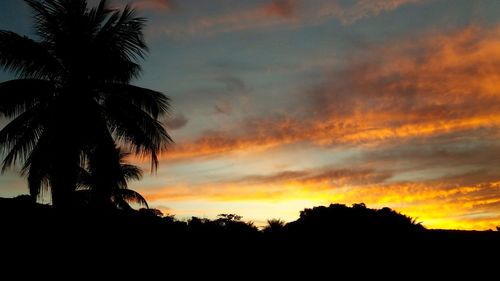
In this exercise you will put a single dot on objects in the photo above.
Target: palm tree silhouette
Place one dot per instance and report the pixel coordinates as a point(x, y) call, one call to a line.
point(115, 183)
point(72, 101)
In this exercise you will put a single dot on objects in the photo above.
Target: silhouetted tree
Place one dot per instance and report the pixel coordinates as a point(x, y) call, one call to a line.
point(111, 188)
point(274, 226)
point(72, 100)
point(225, 219)
point(233, 225)
point(226, 227)
point(340, 219)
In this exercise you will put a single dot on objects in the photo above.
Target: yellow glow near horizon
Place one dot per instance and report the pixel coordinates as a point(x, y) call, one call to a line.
point(436, 207)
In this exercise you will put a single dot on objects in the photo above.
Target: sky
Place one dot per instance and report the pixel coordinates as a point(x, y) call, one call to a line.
point(288, 104)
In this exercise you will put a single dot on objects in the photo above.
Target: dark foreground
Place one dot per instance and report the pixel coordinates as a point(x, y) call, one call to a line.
point(323, 239)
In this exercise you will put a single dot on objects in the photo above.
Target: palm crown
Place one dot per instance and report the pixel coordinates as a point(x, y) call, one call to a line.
point(116, 179)
point(72, 102)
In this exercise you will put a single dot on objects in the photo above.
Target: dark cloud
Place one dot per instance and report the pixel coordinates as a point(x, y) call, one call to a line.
point(223, 107)
point(177, 122)
point(479, 154)
point(233, 84)
point(230, 66)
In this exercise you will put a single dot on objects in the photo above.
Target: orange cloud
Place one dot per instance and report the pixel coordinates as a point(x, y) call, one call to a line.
point(444, 86)
point(280, 8)
point(276, 185)
point(275, 13)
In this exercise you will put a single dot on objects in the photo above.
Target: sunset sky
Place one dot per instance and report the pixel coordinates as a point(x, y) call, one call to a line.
point(288, 104)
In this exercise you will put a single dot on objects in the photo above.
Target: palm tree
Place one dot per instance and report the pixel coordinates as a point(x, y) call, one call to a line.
point(274, 226)
point(73, 99)
point(115, 182)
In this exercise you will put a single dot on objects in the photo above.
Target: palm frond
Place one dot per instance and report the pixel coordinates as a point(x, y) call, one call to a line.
point(37, 169)
point(99, 14)
point(127, 33)
point(38, 181)
point(27, 58)
point(44, 16)
point(85, 179)
point(53, 17)
point(154, 103)
point(17, 96)
point(19, 137)
point(132, 125)
point(130, 195)
point(119, 45)
point(131, 172)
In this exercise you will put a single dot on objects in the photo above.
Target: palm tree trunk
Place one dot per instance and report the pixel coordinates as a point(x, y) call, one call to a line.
point(63, 185)
point(64, 172)
point(105, 163)
point(102, 198)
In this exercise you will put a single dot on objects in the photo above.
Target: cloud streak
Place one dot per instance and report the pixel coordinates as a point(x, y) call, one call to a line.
point(154, 5)
point(356, 10)
point(280, 13)
point(330, 176)
point(177, 122)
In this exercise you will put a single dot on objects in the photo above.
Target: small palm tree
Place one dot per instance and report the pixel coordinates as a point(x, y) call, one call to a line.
point(73, 100)
point(274, 226)
point(91, 184)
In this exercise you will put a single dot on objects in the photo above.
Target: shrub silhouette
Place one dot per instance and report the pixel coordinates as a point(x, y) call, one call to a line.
point(225, 225)
point(341, 220)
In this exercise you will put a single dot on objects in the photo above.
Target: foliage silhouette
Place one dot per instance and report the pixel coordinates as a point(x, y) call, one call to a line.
point(340, 218)
point(359, 227)
point(152, 212)
point(229, 226)
point(115, 181)
point(274, 226)
point(73, 99)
